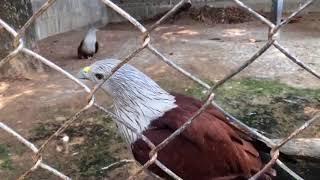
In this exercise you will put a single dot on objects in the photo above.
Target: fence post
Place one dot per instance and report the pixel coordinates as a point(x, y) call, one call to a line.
point(276, 14)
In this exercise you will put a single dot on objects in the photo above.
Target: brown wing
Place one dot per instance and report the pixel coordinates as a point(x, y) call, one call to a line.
point(208, 149)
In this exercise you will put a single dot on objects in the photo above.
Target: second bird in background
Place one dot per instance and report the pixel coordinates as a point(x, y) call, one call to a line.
point(89, 45)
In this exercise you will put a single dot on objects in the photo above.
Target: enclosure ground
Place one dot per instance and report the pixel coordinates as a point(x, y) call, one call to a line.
point(269, 90)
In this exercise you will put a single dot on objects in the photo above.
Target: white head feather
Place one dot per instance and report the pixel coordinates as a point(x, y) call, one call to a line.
point(137, 99)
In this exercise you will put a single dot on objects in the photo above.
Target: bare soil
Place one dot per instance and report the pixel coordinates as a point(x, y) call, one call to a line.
point(208, 51)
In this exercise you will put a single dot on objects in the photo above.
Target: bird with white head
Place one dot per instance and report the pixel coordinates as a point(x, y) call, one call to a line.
point(89, 45)
point(210, 148)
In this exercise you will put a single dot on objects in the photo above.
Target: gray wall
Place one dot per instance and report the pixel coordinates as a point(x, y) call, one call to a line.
point(66, 15)
point(265, 5)
point(142, 9)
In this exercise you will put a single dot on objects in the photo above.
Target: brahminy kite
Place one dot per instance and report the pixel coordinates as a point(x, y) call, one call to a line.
point(210, 148)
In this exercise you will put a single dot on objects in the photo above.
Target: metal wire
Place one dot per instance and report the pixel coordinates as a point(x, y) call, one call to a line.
point(146, 43)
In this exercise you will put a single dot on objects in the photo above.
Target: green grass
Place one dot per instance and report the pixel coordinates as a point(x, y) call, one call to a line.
point(258, 87)
point(99, 134)
point(271, 106)
point(96, 153)
point(5, 160)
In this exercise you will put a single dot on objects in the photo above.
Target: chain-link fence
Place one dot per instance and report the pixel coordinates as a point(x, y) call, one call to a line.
point(146, 44)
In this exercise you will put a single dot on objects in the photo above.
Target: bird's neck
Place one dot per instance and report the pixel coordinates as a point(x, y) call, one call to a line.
point(138, 102)
point(90, 37)
point(139, 111)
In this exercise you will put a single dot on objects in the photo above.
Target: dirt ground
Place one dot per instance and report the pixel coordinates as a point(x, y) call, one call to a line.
point(208, 51)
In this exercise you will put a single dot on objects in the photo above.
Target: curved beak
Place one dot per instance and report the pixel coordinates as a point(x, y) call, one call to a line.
point(83, 73)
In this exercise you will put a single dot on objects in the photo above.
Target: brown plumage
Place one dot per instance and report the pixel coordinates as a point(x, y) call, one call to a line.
point(208, 149)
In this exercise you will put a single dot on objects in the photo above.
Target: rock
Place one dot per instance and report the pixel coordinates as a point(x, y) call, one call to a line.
point(60, 118)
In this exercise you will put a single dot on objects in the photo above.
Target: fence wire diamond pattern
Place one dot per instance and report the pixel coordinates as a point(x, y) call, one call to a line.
point(146, 44)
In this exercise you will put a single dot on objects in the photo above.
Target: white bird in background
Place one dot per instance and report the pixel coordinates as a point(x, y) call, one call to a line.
point(89, 45)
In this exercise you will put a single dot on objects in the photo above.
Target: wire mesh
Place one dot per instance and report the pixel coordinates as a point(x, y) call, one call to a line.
point(146, 44)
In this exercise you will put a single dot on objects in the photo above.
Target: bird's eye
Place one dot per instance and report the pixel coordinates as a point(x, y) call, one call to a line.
point(99, 76)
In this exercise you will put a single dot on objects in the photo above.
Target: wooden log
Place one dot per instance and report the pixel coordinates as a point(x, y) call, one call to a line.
point(302, 148)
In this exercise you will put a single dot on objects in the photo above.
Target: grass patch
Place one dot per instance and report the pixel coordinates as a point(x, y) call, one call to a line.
point(5, 160)
point(95, 153)
point(96, 150)
point(271, 106)
point(269, 88)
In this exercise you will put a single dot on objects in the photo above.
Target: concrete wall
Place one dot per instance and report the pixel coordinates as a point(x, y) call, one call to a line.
point(142, 9)
point(263, 5)
point(66, 15)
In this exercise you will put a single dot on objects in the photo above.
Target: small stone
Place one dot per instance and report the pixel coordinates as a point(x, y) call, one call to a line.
point(90, 120)
point(65, 139)
point(252, 40)
point(75, 153)
point(61, 118)
point(59, 148)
